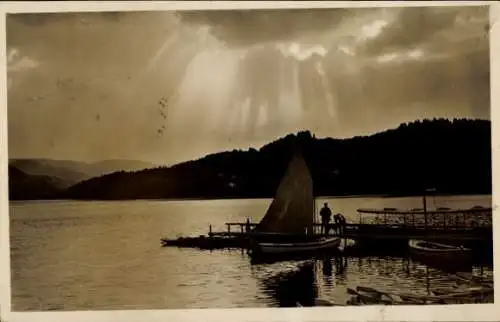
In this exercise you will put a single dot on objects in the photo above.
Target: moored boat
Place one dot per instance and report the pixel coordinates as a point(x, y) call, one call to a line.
point(287, 226)
point(318, 244)
point(438, 254)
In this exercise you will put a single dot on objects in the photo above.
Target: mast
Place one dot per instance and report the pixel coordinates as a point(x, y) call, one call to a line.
point(314, 215)
point(425, 204)
point(425, 209)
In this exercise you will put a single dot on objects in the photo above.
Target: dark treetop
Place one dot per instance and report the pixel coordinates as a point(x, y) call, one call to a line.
point(452, 156)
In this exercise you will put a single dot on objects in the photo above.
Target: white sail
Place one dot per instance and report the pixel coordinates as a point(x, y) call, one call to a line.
point(292, 210)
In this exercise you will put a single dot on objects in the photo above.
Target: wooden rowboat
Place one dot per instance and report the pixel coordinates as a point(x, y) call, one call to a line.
point(432, 249)
point(437, 254)
point(322, 243)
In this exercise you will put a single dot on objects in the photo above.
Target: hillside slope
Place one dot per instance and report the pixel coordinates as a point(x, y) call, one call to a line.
point(453, 157)
point(69, 173)
point(23, 186)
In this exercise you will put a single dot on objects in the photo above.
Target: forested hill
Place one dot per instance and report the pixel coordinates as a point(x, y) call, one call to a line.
point(23, 186)
point(452, 156)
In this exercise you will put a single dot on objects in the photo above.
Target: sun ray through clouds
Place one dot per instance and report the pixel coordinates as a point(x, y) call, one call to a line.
point(237, 99)
point(169, 43)
point(294, 108)
point(280, 85)
point(234, 79)
point(327, 90)
point(277, 86)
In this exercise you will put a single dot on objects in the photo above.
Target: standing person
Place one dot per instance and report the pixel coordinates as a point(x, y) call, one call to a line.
point(247, 225)
point(336, 218)
point(326, 216)
point(341, 223)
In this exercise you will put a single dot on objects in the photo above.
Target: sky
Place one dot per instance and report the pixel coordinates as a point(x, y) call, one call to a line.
point(165, 86)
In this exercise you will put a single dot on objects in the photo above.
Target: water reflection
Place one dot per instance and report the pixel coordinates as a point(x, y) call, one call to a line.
point(340, 268)
point(293, 287)
point(105, 255)
point(325, 280)
point(327, 271)
point(329, 274)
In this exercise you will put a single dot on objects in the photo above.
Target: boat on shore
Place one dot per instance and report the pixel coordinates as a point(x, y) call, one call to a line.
point(438, 254)
point(287, 228)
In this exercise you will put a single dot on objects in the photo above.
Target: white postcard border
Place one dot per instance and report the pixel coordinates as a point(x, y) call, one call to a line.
point(471, 312)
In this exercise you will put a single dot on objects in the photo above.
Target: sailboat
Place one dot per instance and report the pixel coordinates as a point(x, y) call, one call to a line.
point(287, 226)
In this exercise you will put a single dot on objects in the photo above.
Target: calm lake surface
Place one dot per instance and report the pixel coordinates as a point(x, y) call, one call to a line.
point(69, 255)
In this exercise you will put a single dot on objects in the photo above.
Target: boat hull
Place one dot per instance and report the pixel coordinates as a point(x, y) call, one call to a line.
point(286, 249)
point(440, 255)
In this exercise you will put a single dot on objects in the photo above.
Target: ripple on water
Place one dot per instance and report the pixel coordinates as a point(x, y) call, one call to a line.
point(100, 255)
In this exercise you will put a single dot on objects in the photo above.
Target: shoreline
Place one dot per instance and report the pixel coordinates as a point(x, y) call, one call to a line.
point(361, 196)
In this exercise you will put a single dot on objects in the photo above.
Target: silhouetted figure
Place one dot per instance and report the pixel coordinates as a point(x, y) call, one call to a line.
point(247, 225)
point(340, 222)
point(326, 216)
point(336, 225)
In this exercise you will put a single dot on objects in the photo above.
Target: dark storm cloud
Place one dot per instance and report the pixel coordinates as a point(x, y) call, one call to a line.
point(453, 87)
point(40, 19)
point(414, 26)
point(248, 27)
point(411, 26)
point(122, 64)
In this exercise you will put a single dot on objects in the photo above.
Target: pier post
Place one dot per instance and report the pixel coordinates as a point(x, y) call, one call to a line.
point(210, 230)
point(425, 211)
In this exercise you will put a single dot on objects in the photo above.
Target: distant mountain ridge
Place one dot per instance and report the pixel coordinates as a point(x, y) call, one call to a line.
point(452, 156)
point(23, 186)
point(67, 173)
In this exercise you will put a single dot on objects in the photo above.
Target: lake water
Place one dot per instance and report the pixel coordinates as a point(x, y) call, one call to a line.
point(69, 255)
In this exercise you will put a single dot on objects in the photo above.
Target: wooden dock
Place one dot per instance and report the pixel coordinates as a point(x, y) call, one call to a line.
point(360, 233)
point(404, 232)
point(394, 228)
point(380, 231)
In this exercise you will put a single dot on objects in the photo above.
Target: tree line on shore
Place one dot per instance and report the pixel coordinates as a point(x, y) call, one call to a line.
point(452, 156)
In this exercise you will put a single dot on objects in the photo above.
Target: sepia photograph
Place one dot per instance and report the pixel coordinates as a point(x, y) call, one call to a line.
point(249, 158)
